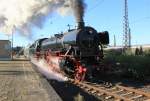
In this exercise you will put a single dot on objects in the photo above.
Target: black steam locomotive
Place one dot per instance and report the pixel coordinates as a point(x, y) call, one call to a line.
point(78, 52)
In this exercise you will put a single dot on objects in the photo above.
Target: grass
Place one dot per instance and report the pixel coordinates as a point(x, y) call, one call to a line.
point(137, 66)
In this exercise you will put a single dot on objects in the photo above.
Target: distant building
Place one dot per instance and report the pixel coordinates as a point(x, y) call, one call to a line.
point(18, 50)
point(5, 50)
point(137, 49)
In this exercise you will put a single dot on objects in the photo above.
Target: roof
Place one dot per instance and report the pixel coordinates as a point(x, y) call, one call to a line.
point(5, 40)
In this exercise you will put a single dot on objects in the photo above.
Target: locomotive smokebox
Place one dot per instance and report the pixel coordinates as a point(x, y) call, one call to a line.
point(81, 25)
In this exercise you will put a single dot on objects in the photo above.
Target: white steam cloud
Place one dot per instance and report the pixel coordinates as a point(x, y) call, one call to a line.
point(21, 15)
point(47, 71)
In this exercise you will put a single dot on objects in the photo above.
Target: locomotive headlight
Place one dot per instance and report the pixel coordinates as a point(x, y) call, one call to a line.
point(90, 32)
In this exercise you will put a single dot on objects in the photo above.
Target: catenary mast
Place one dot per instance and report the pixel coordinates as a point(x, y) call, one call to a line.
point(126, 28)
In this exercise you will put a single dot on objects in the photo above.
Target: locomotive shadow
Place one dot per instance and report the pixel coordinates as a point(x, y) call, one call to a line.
point(70, 92)
point(66, 90)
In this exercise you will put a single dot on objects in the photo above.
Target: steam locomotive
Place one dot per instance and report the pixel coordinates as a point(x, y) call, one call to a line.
point(77, 53)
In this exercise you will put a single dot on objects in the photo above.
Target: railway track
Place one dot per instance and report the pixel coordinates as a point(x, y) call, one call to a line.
point(112, 92)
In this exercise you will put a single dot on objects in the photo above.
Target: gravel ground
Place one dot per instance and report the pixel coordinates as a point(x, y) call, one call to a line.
point(19, 82)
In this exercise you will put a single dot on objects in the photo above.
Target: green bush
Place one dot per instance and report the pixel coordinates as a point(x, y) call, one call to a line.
point(138, 66)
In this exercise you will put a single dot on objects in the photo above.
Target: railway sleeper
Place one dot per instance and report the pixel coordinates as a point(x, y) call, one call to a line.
point(93, 83)
point(119, 91)
point(108, 97)
point(114, 89)
point(137, 97)
point(100, 94)
point(126, 94)
point(94, 91)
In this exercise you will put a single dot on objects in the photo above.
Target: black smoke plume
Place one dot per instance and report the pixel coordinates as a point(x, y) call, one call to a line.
point(78, 7)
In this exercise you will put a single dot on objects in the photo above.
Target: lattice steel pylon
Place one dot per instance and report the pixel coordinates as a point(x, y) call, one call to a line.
point(126, 28)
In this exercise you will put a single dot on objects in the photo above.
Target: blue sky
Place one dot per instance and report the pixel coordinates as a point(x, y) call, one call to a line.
point(102, 15)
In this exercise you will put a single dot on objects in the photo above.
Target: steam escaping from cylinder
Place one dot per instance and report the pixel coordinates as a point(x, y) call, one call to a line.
point(46, 70)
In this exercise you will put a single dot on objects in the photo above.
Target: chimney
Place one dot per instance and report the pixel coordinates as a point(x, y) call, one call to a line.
point(80, 25)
